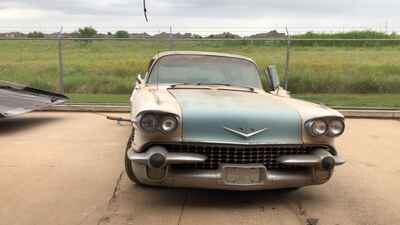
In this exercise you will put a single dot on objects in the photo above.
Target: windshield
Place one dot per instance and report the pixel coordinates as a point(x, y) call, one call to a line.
point(206, 69)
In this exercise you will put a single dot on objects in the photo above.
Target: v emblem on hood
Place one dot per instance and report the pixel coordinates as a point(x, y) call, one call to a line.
point(244, 134)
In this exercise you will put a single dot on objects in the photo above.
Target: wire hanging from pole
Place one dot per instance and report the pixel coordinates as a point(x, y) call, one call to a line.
point(145, 11)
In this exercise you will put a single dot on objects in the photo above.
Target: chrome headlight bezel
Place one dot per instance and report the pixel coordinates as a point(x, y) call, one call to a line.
point(329, 131)
point(158, 120)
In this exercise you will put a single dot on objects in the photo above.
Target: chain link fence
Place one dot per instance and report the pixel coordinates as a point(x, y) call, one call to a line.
point(110, 66)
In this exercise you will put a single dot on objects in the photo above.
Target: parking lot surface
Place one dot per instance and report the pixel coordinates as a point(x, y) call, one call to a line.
point(67, 168)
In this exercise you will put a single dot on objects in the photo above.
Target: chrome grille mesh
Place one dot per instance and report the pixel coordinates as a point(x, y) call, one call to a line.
point(237, 154)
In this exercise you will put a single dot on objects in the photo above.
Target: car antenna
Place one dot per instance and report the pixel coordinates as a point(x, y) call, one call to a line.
point(145, 11)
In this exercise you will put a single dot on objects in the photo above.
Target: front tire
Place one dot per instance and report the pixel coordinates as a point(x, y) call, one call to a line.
point(128, 164)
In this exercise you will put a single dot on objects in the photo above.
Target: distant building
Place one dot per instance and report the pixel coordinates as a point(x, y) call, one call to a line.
point(139, 35)
point(165, 35)
point(12, 35)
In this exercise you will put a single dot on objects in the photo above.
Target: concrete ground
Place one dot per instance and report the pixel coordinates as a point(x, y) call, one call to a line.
point(67, 168)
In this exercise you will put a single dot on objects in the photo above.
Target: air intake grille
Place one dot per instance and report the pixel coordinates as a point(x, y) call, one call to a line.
point(237, 154)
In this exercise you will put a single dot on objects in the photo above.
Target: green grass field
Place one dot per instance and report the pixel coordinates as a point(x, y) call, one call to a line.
point(110, 67)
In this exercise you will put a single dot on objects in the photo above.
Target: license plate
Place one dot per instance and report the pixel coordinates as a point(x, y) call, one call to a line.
point(244, 175)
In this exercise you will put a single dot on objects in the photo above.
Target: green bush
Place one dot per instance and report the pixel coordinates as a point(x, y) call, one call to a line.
point(87, 32)
point(36, 34)
point(390, 39)
point(121, 34)
point(347, 35)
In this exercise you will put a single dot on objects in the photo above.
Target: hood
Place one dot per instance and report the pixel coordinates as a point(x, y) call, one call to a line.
point(227, 116)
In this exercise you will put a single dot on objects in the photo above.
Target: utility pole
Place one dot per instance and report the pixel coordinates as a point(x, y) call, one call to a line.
point(287, 59)
point(170, 38)
point(61, 61)
point(386, 27)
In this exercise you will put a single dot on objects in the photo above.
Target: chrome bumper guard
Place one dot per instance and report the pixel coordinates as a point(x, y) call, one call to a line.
point(157, 157)
point(153, 168)
point(319, 158)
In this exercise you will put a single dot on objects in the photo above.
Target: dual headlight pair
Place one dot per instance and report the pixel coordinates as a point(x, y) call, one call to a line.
point(153, 122)
point(331, 127)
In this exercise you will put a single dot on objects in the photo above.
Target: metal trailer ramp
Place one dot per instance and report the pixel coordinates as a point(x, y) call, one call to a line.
point(17, 99)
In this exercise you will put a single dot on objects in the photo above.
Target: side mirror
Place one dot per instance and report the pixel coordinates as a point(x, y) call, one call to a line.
point(273, 77)
point(140, 79)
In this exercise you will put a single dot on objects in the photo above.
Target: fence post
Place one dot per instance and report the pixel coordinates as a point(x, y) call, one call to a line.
point(61, 61)
point(171, 43)
point(287, 59)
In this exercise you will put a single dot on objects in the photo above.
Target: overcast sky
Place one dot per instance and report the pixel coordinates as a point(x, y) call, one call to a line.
point(199, 16)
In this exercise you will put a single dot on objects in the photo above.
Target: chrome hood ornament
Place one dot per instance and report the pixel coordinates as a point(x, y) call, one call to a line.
point(246, 133)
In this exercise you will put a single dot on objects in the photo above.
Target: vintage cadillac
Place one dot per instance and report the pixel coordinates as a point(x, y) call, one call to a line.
point(204, 120)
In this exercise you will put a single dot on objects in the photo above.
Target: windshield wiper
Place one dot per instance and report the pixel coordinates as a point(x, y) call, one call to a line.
point(177, 84)
point(174, 86)
point(229, 85)
point(212, 84)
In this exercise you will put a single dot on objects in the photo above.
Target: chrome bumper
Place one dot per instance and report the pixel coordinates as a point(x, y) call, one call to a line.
point(316, 169)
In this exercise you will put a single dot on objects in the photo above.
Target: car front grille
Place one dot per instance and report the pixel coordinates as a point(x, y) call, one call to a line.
point(239, 154)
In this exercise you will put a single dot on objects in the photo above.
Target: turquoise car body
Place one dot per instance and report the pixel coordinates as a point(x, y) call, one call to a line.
point(206, 112)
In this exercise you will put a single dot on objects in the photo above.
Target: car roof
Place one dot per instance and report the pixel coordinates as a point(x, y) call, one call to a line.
point(167, 53)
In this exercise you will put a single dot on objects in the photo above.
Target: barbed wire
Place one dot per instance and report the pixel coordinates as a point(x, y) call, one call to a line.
point(201, 39)
point(205, 29)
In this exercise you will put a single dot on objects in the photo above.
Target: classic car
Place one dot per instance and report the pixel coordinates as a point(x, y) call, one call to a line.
point(204, 120)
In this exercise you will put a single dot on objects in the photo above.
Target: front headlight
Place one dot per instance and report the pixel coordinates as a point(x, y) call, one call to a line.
point(329, 126)
point(336, 127)
point(149, 122)
point(158, 121)
point(169, 123)
point(318, 128)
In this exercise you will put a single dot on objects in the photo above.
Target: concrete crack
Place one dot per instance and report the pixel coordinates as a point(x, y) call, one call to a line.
point(183, 207)
point(110, 211)
point(116, 188)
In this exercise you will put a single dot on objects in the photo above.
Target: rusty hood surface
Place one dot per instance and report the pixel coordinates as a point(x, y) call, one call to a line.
point(18, 99)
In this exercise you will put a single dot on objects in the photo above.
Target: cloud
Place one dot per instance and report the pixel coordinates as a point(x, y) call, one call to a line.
point(206, 13)
point(77, 7)
point(204, 8)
